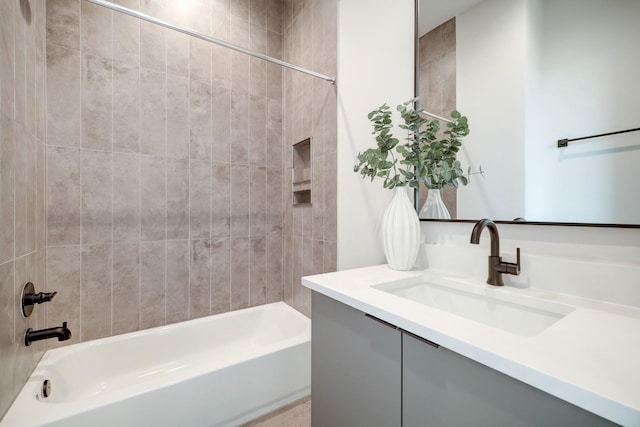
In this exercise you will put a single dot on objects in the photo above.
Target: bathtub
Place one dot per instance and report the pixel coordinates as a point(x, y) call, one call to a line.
point(221, 370)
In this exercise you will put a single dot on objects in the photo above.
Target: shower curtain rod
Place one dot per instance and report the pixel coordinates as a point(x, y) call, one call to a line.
point(205, 37)
point(426, 113)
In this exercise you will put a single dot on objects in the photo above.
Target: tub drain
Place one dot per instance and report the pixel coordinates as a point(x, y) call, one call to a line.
point(46, 388)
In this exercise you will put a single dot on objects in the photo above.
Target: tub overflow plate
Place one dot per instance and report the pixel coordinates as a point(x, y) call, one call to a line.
point(46, 388)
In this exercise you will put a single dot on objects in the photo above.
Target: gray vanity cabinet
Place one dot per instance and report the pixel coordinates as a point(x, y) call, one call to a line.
point(367, 373)
point(442, 388)
point(355, 368)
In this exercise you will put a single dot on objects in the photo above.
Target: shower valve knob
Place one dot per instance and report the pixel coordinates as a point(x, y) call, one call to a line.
point(31, 298)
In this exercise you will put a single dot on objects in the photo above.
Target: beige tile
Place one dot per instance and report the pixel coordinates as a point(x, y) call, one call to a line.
point(274, 75)
point(239, 134)
point(200, 117)
point(153, 202)
point(221, 65)
point(63, 23)
point(330, 257)
point(21, 363)
point(258, 73)
point(240, 68)
point(40, 73)
point(274, 268)
point(317, 200)
point(7, 58)
point(239, 273)
point(330, 121)
point(7, 347)
point(297, 414)
point(178, 54)
point(63, 196)
point(307, 219)
point(240, 202)
point(298, 218)
point(221, 56)
point(220, 200)
point(20, 194)
point(96, 197)
point(240, 9)
point(317, 257)
point(200, 60)
point(258, 201)
point(30, 77)
point(152, 284)
point(126, 114)
point(330, 197)
point(199, 199)
point(221, 124)
point(199, 279)
point(257, 271)
point(63, 276)
point(153, 46)
point(257, 131)
point(126, 197)
point(220, 275)
point(95, 300)
point(63, 96)
point(126, 288)
point(96, 30)
point(274, 134)
point(177, 281)
point(275, 15)
point(178, 112)
point(287, 224)
point(178, 199)
point(126, 35)
point(258, 13)
point(274, 202)
point(298, 262)
point(41, 198)
point(317, 118)
point(154, 112)
point(30, 194)
point(287, 278)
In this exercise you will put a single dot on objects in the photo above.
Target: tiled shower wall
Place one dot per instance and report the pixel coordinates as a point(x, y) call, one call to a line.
point(22, 218)
point(437, 85)
point(165, 164)
point(167, 173)
point(310, 31)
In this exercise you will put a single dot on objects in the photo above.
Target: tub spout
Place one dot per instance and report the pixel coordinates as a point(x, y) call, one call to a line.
point(60, 332)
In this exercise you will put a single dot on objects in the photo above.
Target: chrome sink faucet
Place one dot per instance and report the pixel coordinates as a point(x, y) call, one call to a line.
point(497, 267)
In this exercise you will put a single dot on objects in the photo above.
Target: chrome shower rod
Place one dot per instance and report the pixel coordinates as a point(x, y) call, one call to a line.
point(435, 116)
point(208, 38)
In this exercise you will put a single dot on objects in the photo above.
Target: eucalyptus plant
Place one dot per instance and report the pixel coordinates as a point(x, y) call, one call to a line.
point(424, 157)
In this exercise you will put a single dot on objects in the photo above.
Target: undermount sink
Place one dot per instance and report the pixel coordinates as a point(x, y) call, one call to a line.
point(518, 314)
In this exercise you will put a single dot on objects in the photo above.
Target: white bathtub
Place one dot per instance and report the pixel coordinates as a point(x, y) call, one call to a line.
point(221, 370)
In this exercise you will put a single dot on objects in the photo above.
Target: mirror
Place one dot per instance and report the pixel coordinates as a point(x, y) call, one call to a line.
point(528, 73)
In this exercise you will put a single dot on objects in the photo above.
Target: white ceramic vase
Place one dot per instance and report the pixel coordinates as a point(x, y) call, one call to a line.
point(434, 206)
point(401, 232)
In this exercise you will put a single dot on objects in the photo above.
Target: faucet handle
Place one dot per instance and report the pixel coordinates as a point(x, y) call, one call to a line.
point(510, 267)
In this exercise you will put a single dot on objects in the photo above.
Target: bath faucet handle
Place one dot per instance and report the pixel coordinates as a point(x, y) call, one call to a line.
point(511, 267)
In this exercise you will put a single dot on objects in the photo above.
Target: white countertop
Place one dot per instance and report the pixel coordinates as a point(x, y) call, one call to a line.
point(590, 358)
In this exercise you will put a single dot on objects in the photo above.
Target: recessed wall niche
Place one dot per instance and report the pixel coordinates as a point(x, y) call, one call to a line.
point(302, 173)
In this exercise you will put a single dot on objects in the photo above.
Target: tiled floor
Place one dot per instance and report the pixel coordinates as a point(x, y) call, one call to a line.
point(298, 414)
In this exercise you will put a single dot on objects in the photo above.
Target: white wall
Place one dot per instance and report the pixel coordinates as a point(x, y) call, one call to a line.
point(530, 72)
point(491, 90)
point(590, 55)
point(375, 65)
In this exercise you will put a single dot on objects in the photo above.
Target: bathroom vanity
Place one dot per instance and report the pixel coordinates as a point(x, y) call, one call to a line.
point(423, 347)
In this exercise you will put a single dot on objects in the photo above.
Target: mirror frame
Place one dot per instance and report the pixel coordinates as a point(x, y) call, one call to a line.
point(416, 199)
